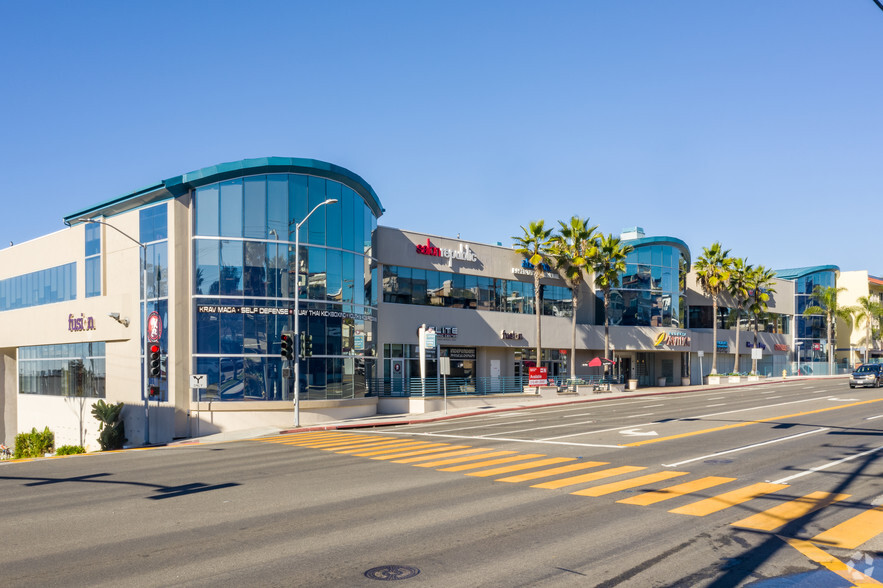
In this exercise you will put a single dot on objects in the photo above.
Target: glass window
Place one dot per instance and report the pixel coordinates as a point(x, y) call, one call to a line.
point(207, 329)
point(153, 224)
point(317, 272)
point(277, 207)
point(255, 269)
point(334, 274)
point(231, 268)
point(207, 266)
point(298, 200)
point(255, 207)
point(207, 211)
point(93, 277)
point(93, 239)
point(231, 208)
point(353, 232)
point(316, 224)
point(333, 215)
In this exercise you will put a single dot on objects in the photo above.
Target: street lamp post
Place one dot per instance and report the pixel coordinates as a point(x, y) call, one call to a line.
point(297, 306)
point(144, 381)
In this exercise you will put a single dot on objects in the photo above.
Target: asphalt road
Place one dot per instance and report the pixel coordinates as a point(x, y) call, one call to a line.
point(770, 485)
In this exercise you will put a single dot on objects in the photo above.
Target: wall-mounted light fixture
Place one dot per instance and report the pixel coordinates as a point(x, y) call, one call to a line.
point(116, 316)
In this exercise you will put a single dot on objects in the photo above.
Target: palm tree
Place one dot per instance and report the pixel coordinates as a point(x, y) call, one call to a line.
point(760, 283)
point(574, 247)
point(713, 273)
point(738, 287)
point(867, 311)
point(534, 245)
point(826, 304)
point(608, 265)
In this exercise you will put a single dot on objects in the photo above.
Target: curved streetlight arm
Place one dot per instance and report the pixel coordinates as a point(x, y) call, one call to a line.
point(121, 232)
point(315, 208)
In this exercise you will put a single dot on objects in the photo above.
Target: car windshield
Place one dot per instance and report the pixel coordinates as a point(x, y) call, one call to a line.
point(866, 368)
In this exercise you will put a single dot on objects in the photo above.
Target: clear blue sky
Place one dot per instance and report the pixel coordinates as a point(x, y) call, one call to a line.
point(756, 123)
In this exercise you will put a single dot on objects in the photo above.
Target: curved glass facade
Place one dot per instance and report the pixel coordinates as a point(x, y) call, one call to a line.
point(651, 289)
point(245, 281)
point(812, 331)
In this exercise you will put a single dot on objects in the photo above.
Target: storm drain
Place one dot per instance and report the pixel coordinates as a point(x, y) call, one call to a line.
point(390, 573)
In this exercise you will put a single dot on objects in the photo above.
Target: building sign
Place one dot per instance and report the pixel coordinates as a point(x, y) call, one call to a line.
point(506, 335)
point(154, 327)
point(723, 345)
point(275, 310)
point(461, 353)
point(673, 339)
point(816, 346)
point(80, 323)
point(750, 345)
point(527, 269)
point(464, 253)
point(537, 376)
point(780, 347)
point(359, 341)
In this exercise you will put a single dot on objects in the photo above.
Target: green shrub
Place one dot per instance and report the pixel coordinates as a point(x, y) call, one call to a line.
point(111, 430)
point(34, 444)
point(70, 450)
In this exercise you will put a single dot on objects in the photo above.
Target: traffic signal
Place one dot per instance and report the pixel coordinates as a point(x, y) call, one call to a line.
point(153, 392)
point(287, 344)
point(154, 361)
point(306, 345)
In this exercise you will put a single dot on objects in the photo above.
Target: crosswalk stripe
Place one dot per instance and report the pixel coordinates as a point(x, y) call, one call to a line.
point(553, 472)
point(344, 443)
point(441, 448)
point(573, 481)
point(728, 499)
point(628, 484)
point(521, 466)
point(773, 518)
point(482, 464)
point(674, 491)
point(853, 532)
point(396, 449)
point(378, 445)
point(855, 577)
point(442, 462)
point(443, 455)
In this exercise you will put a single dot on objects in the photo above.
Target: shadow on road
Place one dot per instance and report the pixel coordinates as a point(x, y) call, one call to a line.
point(162, 492)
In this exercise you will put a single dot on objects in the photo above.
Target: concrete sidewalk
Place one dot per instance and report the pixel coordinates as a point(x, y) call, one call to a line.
point(523, 402)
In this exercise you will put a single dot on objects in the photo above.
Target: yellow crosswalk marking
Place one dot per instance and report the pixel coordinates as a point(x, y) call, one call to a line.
point(773, 518)
point(396, 449)
point(442, 462)
point(627, 484)
point(521, 466)
point(378, 445)
point(443, 455)
point(830, 562)
point(553, 472)
point(442, 447)
point(573, 481)
point(851, 533)
point(675, 491)
point(343, 443)
point(728, 499)
point(482, 464)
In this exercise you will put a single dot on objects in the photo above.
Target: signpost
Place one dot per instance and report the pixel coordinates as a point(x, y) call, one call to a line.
point(537, 376)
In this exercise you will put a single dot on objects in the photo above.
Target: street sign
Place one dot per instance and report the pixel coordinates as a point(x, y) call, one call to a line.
point(198, 381)
point(700, 353)
point(444, 366)
point(756, 353)
point(154, 327)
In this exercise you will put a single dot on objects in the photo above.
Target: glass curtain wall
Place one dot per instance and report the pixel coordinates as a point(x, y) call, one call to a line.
point(651, 289)
point(811, 330)
point(245, 281)
point(71, 369)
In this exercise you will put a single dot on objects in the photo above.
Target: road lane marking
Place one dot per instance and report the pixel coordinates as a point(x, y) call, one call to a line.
point(851, 533)
point(743, 448)
point(573, 481)
point(628, 484)
point(653, 405)
point(399, 449)
point(782, 514)
point(520, 466)
point(553, 472)
point(662, 494)
point(879, 416)
point(514, 440)
point(441, 462)
point(442, 448)
point(491, 462)
point(486, 425)
point(827, 465)
point(635, 416)
point(727, 499)
point(746, 423)
point(638, 433)
point(830, 562)
point(444, 455)
point(714, 405)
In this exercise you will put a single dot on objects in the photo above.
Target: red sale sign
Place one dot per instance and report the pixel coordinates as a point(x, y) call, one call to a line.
point(538, 376)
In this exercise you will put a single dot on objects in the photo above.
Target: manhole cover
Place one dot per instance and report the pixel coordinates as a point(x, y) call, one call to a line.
point(390, 573)
point(718, 461)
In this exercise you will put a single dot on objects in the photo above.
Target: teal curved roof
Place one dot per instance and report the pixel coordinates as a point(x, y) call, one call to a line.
point(662, 240)
point(799, 272)
point(179, 185)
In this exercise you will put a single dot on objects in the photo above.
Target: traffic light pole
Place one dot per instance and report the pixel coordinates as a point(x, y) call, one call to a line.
point(297, 307)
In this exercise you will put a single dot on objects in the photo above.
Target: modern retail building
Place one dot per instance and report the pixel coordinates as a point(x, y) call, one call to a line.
point(214, 254)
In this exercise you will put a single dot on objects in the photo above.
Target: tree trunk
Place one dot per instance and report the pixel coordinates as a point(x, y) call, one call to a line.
point(754, 361)
point(830, 328)
point(738, 317)
point(713, 334)
point(573, 332)
point(606, 324)
point(538, 310)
